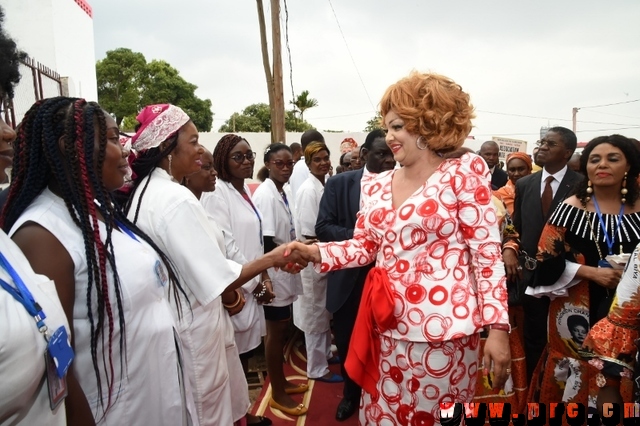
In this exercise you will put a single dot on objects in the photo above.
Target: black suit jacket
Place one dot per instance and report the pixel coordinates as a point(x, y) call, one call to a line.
point(336, 220)
point(499, 178)
point(527, 218)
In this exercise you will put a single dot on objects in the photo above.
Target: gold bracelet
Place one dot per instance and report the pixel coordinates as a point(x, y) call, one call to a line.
point(234, 304)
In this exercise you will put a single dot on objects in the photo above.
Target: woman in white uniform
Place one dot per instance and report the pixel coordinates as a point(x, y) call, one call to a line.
point(127, 367)
point(168, 150)
point(309, 311)
point(25, 397)
point(241, 222)
point(273, 201)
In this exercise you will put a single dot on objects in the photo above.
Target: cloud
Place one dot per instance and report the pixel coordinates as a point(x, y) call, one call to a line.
point(538, 59)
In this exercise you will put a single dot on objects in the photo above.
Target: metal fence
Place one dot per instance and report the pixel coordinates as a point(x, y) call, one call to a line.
point(38, 82)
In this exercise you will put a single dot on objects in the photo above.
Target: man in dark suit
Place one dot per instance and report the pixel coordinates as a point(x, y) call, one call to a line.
point(336, 220)
point(490, 152)
point(537, 196)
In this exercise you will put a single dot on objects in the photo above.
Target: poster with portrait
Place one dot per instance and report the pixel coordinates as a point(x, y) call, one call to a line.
point(572, 323)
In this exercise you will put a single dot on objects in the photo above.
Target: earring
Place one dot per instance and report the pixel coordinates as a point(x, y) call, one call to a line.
point(421, 148)
point(624, 189)
point(589, 191)
point(169, 157)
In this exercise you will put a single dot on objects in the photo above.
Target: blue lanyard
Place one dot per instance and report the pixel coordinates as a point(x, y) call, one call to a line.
point(22, 294)
point(292, 230)
point(248, 200)
point(610, 240)
point(126, 230)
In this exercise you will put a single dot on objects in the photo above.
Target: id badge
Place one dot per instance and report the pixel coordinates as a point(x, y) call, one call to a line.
point(602, 263)
point(57, 386)
point(161, 274)
point(60, 351)
point(292, 234)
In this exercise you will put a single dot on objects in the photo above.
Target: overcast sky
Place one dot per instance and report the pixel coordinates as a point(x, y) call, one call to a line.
point(538, 59)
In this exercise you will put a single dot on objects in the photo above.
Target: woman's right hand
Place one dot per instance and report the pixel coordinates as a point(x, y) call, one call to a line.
point(607, 277)
point(511, 265)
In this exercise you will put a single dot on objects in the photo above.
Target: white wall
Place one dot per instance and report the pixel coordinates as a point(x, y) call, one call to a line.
point(59, 35)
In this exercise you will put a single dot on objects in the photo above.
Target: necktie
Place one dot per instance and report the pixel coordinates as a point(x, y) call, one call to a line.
point(547, 196)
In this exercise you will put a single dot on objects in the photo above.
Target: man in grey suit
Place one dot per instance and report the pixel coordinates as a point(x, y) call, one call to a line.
point(339, 206)
point(537, 196)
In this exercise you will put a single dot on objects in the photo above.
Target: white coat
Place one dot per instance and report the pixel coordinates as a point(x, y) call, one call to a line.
point(175, 220)
point(239, 222)
point(277, 222)
point(24, 399)
point(309, 311)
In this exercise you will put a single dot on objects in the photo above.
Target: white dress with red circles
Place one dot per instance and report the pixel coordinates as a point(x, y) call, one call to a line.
point(441, 250)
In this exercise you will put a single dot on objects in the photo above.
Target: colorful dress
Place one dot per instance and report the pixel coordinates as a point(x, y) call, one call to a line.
point(515, 389)
point(441, 252)
point(567, 241)
point(611, 343)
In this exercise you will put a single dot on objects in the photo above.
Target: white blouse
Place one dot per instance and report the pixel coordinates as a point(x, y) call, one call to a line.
point(24, 399)
point(141, 394)
point(277, 222)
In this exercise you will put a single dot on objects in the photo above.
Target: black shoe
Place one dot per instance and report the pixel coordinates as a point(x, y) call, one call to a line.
point(346, 408)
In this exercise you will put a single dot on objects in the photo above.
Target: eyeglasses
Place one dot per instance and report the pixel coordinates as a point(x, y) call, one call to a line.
point(239, 157)
point(549, 144)
point(282, 164)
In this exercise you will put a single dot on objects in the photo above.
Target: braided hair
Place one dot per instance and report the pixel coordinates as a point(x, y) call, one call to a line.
point(56, 144)
point(221, 155)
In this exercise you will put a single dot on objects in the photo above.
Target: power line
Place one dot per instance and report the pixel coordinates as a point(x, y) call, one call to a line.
point(286, 38)
point(351, 56)
point(616, 115)
point(554, 119)
point(606, 105)
point(344, 115)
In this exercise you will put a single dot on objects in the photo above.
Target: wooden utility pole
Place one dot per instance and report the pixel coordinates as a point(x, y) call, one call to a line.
point(575, 118)
point(273, 77)
point(277, 126)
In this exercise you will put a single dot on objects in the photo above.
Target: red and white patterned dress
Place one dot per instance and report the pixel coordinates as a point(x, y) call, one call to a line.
point(441, 251)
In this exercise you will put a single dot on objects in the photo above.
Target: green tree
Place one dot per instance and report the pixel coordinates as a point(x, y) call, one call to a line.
point(374, 123)
point(126, 83)
point(257, 118)
point(303, 102)
point(120, 76)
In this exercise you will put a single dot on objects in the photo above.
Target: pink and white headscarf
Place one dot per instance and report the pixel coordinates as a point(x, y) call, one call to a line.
point(157, 124)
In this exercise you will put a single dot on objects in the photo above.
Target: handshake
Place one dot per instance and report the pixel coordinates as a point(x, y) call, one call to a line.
point(295, 256)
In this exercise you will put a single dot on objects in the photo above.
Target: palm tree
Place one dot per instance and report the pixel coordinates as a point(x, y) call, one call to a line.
point(303, 102)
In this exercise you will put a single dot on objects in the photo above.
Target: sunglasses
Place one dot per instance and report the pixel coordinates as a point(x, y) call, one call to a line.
point(282, 164)
point(239, 157)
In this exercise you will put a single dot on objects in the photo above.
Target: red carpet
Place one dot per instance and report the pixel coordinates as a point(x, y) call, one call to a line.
point(322, 399)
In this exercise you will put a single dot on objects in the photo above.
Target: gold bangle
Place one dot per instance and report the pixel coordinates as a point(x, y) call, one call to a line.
point(234, 304)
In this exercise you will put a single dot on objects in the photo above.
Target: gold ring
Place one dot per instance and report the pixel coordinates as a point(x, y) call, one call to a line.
point(508, 370)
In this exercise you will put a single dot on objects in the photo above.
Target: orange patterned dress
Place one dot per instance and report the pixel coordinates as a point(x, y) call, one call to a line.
point(611, 343)
point(571, 235)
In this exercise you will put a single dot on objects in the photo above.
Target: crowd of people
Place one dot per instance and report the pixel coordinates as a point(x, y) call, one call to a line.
point(148, 273)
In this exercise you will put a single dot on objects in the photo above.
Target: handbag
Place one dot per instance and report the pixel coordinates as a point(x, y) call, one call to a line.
point(515, 290)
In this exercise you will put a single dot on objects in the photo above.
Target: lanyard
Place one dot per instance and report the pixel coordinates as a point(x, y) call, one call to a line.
point(126, 230)
point(610, 240)
point(248, 200)
point(22, 294)
point(292, 232)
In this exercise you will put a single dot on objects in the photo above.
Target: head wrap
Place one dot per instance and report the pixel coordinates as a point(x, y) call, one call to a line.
point(347, 145)
point(157, 124)
point(520, 156)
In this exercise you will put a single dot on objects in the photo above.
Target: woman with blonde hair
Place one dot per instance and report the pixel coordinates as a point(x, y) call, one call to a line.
point(439, 278)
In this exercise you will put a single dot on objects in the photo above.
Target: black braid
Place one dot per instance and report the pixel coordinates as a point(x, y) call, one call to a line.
point(40, 160)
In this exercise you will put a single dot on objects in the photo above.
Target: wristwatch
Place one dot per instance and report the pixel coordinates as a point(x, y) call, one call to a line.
point(498, 326)
point(602, 381)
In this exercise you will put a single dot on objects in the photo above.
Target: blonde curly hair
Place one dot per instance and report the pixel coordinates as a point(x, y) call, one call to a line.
point(432, 106)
